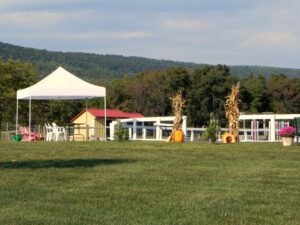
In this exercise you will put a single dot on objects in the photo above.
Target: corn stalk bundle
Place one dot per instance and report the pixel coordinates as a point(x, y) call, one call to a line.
point(232, 111)
point(177, 104)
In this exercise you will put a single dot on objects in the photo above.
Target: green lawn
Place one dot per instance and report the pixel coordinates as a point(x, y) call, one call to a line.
point(149, 183)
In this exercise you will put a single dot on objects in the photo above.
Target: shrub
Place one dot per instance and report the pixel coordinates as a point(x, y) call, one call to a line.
point(213, 129)
point(121, 134)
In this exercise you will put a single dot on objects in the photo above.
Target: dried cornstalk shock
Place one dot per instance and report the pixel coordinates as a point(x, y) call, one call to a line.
point(177, 104)
point(232, 111)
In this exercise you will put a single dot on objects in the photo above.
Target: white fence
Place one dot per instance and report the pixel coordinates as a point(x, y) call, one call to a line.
point(148, 128)
point(264, 126)
point(255, 128)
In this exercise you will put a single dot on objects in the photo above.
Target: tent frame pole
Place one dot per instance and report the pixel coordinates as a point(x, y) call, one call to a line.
point(17, 116)
point(105, 117)
point(86, 120)
point(29, 125)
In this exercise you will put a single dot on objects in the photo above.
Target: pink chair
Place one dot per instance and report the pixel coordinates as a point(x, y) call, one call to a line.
point(33, 136)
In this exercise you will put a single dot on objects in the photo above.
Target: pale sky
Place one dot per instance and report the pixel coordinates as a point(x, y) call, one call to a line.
point(232, 32)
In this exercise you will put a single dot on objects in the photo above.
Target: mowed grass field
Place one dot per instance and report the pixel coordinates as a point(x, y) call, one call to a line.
point(149, 183)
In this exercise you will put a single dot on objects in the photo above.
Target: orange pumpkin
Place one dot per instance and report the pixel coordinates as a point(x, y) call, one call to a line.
point(228, 138)
point(179, 136)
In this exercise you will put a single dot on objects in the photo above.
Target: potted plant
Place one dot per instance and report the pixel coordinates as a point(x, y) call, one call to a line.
point(212, 131)
point(287, 134)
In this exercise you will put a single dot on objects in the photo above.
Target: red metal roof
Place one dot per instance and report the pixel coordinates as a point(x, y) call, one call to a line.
point(134, 115)
point(110, 113)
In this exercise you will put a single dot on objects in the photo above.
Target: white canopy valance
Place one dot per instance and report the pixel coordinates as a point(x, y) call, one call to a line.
point(61, 84)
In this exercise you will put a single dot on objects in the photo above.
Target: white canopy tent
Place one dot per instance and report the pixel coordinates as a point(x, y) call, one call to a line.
point(60, 84)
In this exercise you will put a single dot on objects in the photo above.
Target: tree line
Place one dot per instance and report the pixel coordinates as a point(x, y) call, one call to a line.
point(204, 90)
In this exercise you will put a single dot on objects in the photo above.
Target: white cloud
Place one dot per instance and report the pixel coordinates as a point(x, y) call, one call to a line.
point(100, 35)
point(270, 39)
point(193, 25)
point(31, 19)
point(42, 21)
point(24, 3)
point(89, 36)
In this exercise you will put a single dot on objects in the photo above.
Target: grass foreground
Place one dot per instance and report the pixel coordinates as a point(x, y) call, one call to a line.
point(155, 183)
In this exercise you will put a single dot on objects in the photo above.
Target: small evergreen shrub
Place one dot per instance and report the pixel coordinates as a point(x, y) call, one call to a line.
point(121, 133)
point(212, 131)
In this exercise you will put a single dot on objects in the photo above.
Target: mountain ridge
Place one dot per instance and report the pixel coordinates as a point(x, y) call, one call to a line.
point(109, 67)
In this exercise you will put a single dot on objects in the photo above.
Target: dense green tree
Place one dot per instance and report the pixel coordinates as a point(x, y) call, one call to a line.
point(119, 94)
point(164, 86)
point(149, 93)
point(14, 75)
point(285, 94)
point(178, 80)
point(210, 86)
point(254, 94)
point(59, 111)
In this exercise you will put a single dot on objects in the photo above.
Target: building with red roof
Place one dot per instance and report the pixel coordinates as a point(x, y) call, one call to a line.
point(110, 113)
point(89, 123)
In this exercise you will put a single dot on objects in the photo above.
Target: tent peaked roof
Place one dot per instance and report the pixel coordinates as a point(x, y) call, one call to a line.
point(61, 84)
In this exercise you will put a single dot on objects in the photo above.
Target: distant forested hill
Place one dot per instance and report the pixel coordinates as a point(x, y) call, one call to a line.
point(108, 67)
point(91, 66)
point(243, 71)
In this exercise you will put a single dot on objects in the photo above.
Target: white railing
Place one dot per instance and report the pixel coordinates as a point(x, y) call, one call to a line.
point(148, 128)
point(267, 124)
point(254, 128)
